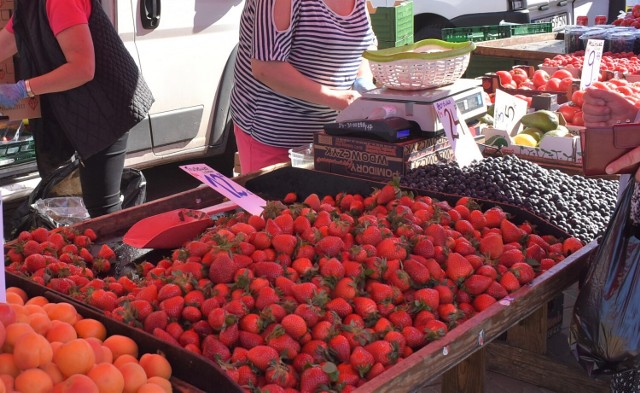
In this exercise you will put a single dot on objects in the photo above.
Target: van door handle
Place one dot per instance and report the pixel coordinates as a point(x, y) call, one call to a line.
point(543, 7)
point(562, 3)
point(150, 13)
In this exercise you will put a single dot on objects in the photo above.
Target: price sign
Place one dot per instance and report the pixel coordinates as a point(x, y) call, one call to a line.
point(591, 65)
point(465, 149)
point(227, 187)
point(508, 110)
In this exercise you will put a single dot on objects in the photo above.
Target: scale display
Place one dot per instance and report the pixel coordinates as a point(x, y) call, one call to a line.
point(418, 105)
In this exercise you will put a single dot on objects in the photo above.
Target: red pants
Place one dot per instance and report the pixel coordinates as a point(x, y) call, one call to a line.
point(255, 155)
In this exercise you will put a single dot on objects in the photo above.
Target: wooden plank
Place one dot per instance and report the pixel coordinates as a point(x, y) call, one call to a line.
point(540, 370)
point(532, 47)
point(531, 332)
point(434, 359)
point(467, 376)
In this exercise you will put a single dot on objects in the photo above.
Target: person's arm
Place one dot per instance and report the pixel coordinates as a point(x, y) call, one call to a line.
point(77, 45)
point(7, 45)
point(284, 79)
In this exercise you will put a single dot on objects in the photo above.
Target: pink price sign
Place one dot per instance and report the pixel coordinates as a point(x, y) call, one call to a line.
point(227, 187)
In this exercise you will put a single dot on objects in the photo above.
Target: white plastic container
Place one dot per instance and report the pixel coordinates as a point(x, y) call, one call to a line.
point(302, 156)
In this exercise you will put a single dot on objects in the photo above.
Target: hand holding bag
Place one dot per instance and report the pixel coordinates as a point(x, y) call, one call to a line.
point(600, 146)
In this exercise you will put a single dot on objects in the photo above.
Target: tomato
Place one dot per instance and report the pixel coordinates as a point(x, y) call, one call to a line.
point(561, 74)
point(568, 110)
point(578, 119)
point(519, 75)
point(527, 85)
point(565, 84)
point(539, 78)
point(505, 77)
point(578, 98)
point(553, 84)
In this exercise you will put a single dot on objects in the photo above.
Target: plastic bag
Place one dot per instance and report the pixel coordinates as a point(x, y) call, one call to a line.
point(64, 183)
point(605, 328)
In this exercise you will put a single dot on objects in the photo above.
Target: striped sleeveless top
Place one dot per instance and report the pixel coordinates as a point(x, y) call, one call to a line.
point(320, 44)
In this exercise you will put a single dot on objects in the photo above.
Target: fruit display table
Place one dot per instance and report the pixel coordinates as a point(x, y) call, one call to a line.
point(461, 356)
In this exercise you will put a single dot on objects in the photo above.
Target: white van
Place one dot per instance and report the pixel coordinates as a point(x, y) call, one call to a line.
point(431, 16)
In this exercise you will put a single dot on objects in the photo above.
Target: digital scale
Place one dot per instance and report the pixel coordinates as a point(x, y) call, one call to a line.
point(416, 106)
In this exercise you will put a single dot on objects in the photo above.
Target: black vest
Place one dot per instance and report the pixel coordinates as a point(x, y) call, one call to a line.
point(94, 115)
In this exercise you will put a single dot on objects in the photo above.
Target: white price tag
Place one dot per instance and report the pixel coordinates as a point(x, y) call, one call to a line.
point(465, 149)
point(507, 112)
point(591, 65)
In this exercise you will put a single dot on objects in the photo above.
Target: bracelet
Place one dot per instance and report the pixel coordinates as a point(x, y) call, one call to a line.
point(27, 85)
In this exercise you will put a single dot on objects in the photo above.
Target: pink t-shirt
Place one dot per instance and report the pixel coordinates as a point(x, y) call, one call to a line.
point(64, 14)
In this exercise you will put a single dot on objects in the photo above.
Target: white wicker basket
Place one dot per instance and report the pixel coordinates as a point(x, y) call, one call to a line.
point(425, 64)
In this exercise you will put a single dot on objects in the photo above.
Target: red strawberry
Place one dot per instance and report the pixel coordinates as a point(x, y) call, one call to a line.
point(366, 308)
point(62, 285)
point(340, 348)
point(168, 290)
point(449, 312)
point(458, 267)
point(437, 234)
point(435, 329)
point(283, 343)
point(491, 245)
point(413, 336)
point(383, 352)
point(330, 246)
point(370, 235)
point(302, 292)
point(483, 301)
point(230, 335)
point(279, 376)
point(386, 194)
point(535, 252)
point(477, 284)
point(424, 247)
point(510, 257)
point(173, 306)
point(165, 336)
point(494, 217)
point(34, 262)
point(510, 282)
point(511, 232)
point(104, 300)
point(418, 272)
point(156, 319)
point(266, 296)
point(262, 356)
point(140, 309)
point(391, 248)
point(427, 299)
point(222, 269)
point(524, 272)
point(361, 360)
point(284, 243)
point(106, 252)
point(570, 246)
point(312, 379)
point(290, 198)
point(215, 350)
point(294, 325)
point(268, 270)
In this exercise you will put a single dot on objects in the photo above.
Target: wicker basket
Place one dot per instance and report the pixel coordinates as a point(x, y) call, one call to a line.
point(425, 64)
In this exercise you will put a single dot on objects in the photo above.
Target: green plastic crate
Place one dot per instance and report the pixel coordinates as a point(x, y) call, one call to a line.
point(393, 44)
point(531, 28)
point(475, 33)
point(391, 24)
point(18, 150)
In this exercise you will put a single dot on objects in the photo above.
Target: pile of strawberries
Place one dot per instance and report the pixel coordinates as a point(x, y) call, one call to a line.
point(320, 294)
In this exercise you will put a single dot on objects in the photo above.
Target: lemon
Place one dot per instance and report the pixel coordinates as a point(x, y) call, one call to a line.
point(525, 140)
point(534, 132)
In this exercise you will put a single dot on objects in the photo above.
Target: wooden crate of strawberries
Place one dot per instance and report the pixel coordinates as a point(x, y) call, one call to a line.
point(342, 284)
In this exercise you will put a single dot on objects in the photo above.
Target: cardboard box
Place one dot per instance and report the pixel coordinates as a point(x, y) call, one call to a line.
point(28, 108)
point(376, 160)
point(7, 71)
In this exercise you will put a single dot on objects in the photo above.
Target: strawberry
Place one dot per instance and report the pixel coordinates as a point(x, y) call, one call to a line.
point(523, 271)
point(365, 307)
point(284, 243)
point(313, 379)
point(34, 262)
point(330, 246)
point(386, 194)
point(230, 335)
point(413, 336)
point(165, 336)
point(571, 245)
point(294, 325)
point(266, 296)
point(491, 245)
point(494, 217)
point(285, 223)
point(449, 312)
point(445, 292)
point(104, 300)
point(511, 232)
point(279, 376)
point(391, 248)
point(168, 290)
point(262, 356)
point(173, 306)
point(303, 291)
point(40, 234)
point(437, 234)
point(313, 201)
point(383, 352)
point(426, 299)
point(361, 360)
point(140, 309)
point(510, 282)
point(215, 350)
point(370, 235)
point(268, 270)
point(340, 306)
point(62, 285)
point(106, 252)
point(435, 329)
point(510, 257)
point(91, 234)
point(156, 319)
point(290, 198)
point(477, 284)
point(222, 269)
point(400, 318)
point(418, 272)
point(458, 268)
point(340, 348)
point(482, 301)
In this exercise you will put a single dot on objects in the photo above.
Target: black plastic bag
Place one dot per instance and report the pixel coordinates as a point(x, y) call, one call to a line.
point(605, 328)
point(65, 182)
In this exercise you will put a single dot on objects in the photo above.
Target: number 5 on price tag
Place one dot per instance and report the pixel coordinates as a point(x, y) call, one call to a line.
point(508, 110)
point(465, 149)
point(591, 66)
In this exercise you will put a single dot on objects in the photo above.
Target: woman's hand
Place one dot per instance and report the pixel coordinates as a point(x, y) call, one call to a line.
point(629, 159)
point(604, 108)
point(342, 98)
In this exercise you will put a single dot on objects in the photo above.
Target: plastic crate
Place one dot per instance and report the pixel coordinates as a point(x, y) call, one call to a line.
point(531, 28)
point(17, 150)
point(475, 33)
point(391, 24)
point(394, 44)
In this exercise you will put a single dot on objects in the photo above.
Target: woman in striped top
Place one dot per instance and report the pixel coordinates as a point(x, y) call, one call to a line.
point(299, 62)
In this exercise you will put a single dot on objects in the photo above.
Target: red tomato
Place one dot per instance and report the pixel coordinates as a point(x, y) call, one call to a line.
point(519, 75)
point(578, 119)
point(565, 84)
point(568, 111)
point(578, 98)
point(505, 77)
point(553, 84)
point(561, 74)
point(539, 78)
point(527, 85)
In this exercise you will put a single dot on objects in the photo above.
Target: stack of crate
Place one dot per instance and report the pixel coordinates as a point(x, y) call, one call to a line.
point(393, 25)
